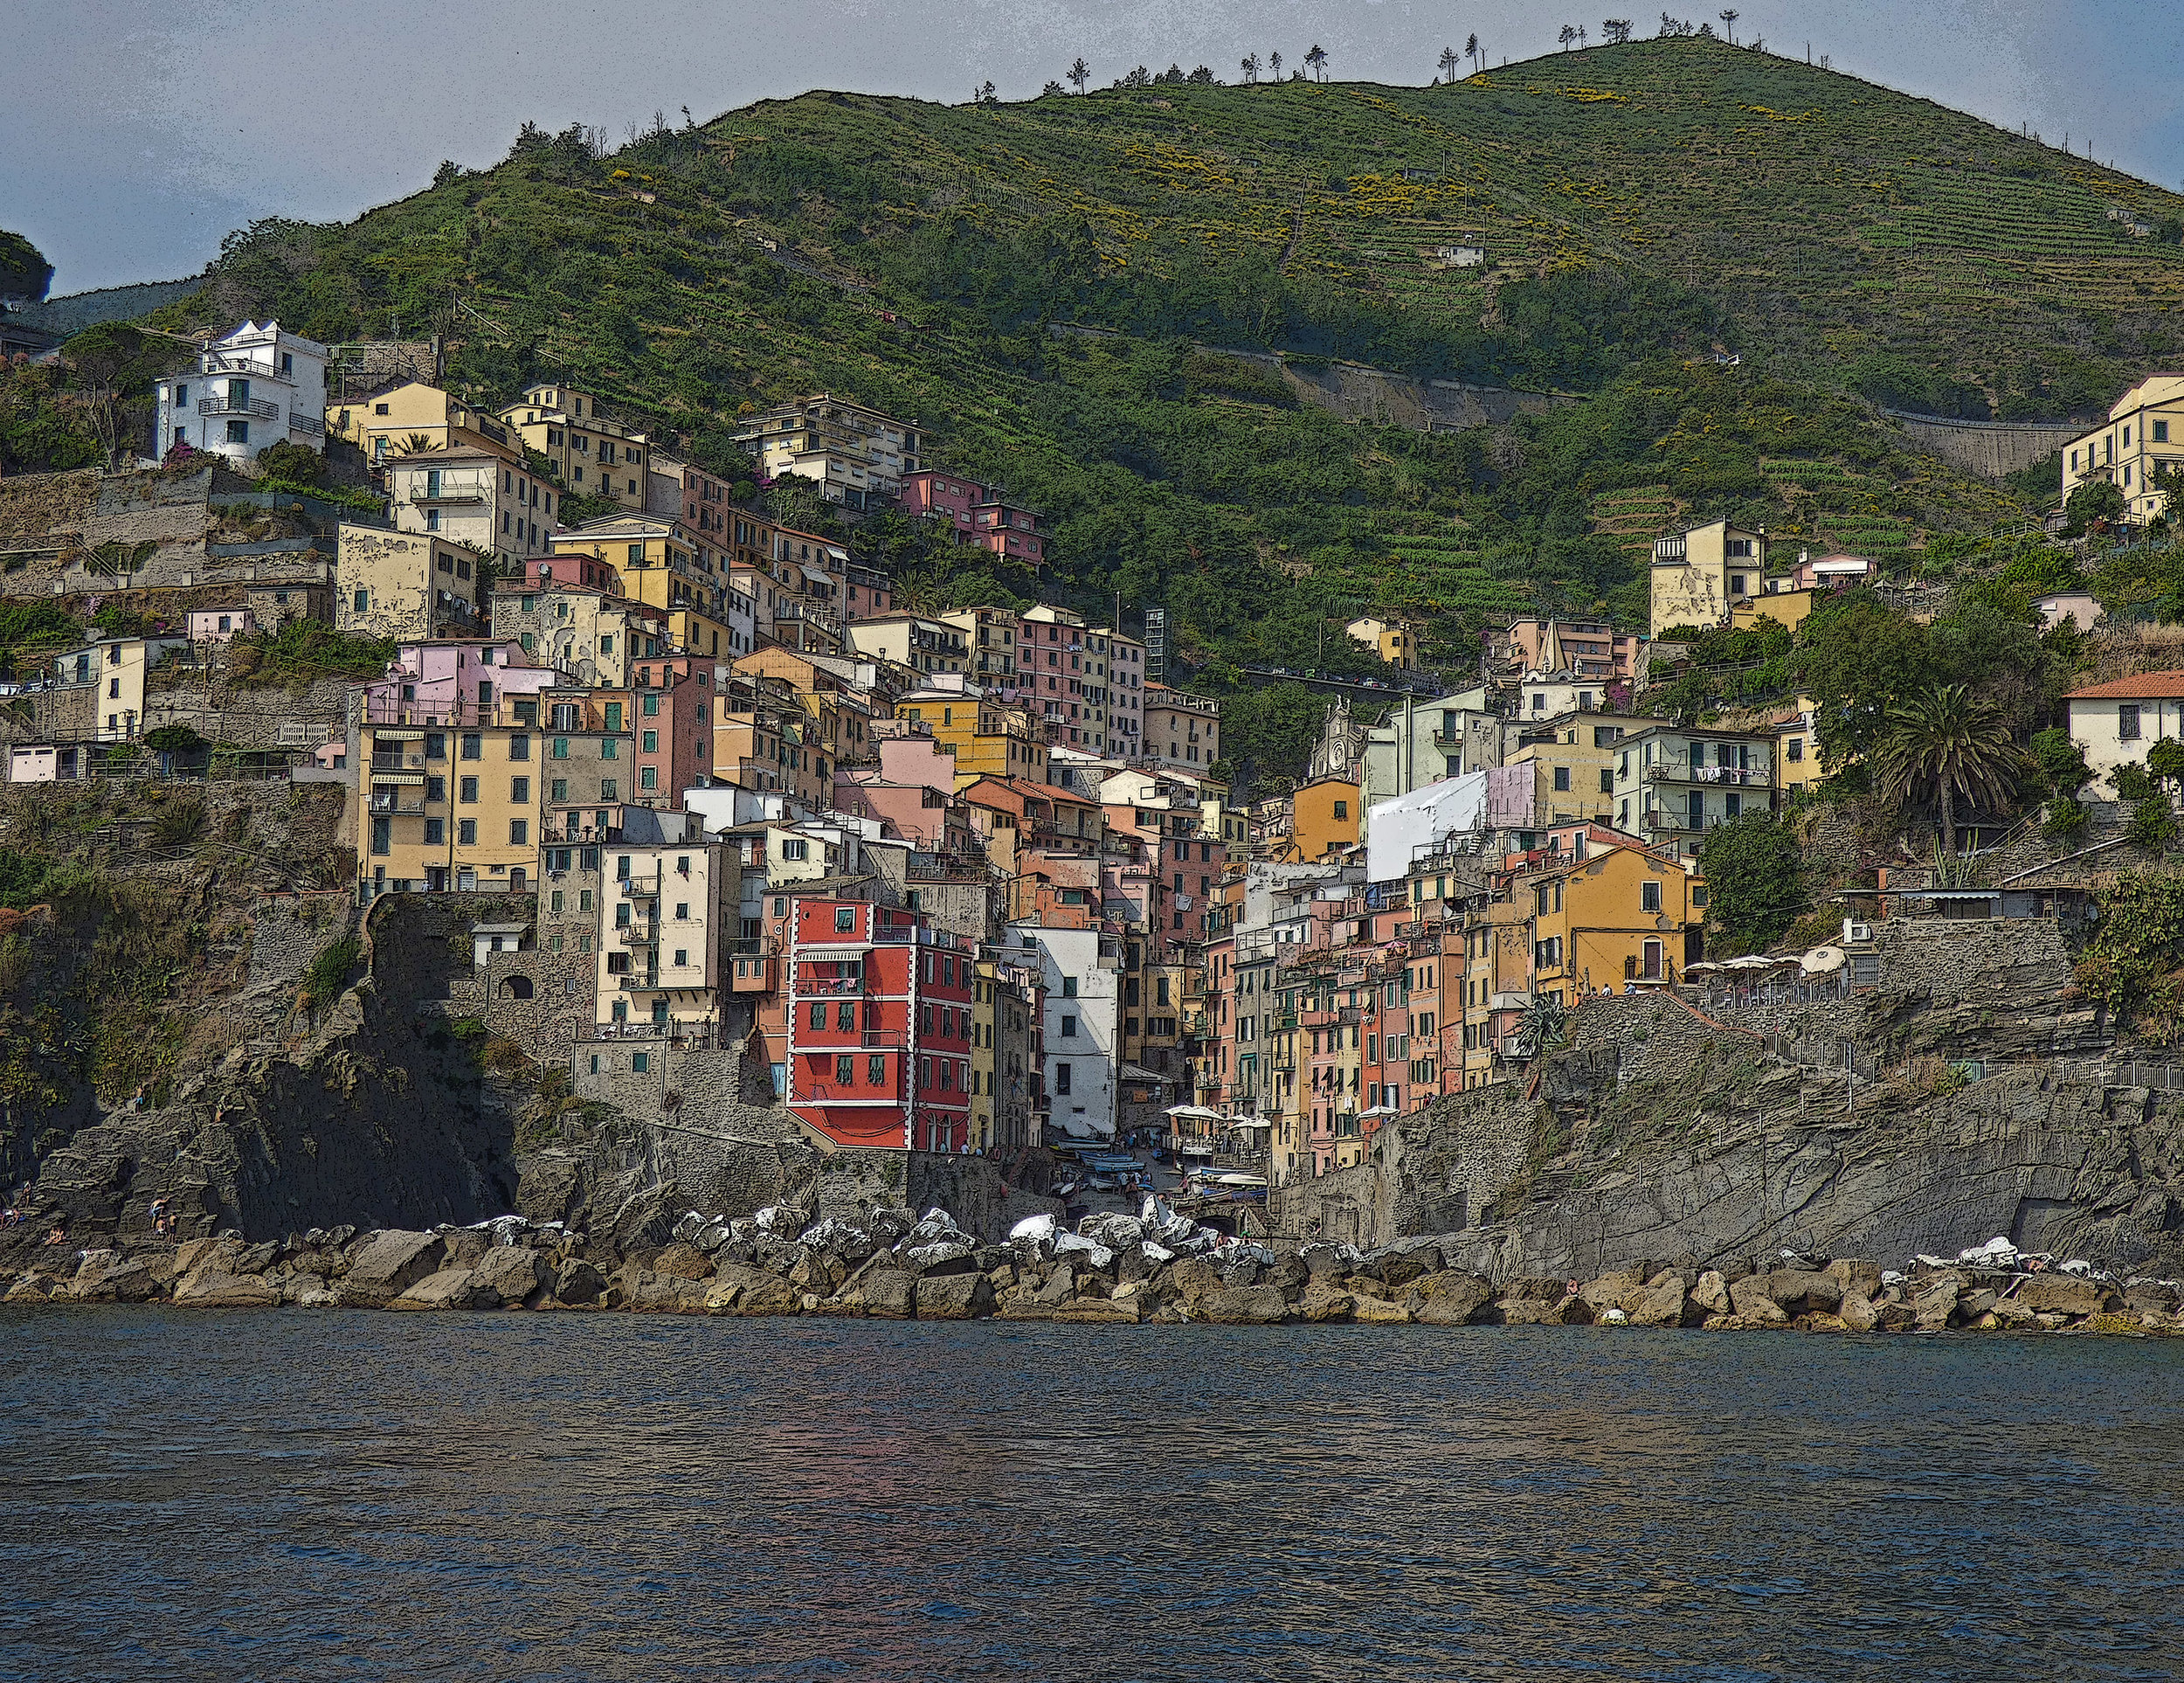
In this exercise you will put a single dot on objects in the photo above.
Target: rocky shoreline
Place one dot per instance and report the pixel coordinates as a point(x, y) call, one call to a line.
point(1117, 1268)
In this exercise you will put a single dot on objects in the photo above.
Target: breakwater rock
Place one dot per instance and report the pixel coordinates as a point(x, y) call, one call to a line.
point(1162, 1268)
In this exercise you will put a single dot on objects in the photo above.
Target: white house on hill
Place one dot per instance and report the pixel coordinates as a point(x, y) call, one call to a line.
point(251, 389)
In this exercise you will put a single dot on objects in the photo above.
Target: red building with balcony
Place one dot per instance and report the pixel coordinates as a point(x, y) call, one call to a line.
point(879, 1027)
point(978, 514)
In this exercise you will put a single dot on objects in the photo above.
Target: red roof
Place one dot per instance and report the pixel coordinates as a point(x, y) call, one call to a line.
point(2147, 686)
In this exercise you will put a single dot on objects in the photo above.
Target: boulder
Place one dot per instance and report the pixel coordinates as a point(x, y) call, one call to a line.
point(1662, 1304)
point(1245, 1305)
point(953, 1297)
point(387, 1263)
point(510, 1272)
point(448, 1288)
point(1857, 1311)
point(124, 1279)
point(1710, 1293)
point(1320, 1257)
point(1801, 1290)
point(2062, 1294)
point(1452, 1297)
point(1022, 1303)
point(1325, 1299)
point(647, 1221)
point(2011, 1313)
point(683, 1261)
point(1609, 1291)
point(213, 1287)
point(307, 1291)
point(1937, 1302)
point(578, 1282)
point(740, 1289)
point(1194, 1279)
point(1378, 1312)
point(1973, 1304)
point(1850, 1273)
point(1750, 1300)
point(945, 1257)
point(889, 1294)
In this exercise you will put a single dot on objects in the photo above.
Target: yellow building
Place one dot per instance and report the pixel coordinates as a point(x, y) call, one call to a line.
point(1609, 915)
point(1787, 608)
point(1323, 819)
point(588, 634)
point(114, 669)
point(1699, 574)
point(2144, 433)
point(1574, 761)
point(594, 456)
point(1392, 639)
point(452, 807)
point(406, 585)
point(415, 416)
point(659, 565)
point(985, 738)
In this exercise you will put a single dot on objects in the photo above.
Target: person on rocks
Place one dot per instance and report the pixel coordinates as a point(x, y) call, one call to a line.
point(57, 1236)
point(159, 1216)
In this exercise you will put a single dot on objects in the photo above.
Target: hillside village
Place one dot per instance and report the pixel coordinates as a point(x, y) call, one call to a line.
point(777, 778)
point(972, 880)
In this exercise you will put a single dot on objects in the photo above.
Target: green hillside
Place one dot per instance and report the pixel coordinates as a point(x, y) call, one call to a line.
point(1642, 208)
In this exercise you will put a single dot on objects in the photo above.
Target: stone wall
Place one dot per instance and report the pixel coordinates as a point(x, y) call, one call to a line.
point(543, 1001)
point(1989, 448)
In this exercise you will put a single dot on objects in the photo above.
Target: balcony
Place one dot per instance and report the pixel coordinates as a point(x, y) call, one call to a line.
point(310, 426)
point(1732, 776)
point(390, 805)
point(257, 408)
point(829, 987)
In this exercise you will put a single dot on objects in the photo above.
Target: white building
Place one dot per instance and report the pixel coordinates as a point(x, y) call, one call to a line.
point(490, 502)
point(669, 912)
point(2116, 723)
point(256, 387)
point(1083, 999)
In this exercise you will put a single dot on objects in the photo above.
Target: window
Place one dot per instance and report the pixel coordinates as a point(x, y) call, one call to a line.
point(1068, 1028)
point(435, 745)
point(435, 832)
point(2161, 432)
point(559, 789)
point(648, 778)
point(1608, 782)
point(238, 431)
point(875, 1071)
point(1795, 749)
point(518, 789)
point(652, 738)
point(519, 832)
point(362, 601)
point(466, 791)
point(639, 1063)
point(1068, 988)
point(652, 707)
point(1342, 809)
point(1061, 1078)
point(609, 789)
point(519, 747)
point(1562, 779)
point(845, 1070)
point(613, 709)
point(1650, 897)
point(845, 920)
point(473, 746)
point(560, 749)
point(2128, 722)
point(466, 832)
point(1698, 894)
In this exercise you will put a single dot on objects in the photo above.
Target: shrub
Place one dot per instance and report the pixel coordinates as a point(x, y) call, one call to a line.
point(2065, 820)
point(2153, 825)
point(328, 973)
point(173, 739)
point(180, 824)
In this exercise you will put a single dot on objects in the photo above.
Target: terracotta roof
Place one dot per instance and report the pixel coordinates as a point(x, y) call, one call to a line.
point(2147, 686)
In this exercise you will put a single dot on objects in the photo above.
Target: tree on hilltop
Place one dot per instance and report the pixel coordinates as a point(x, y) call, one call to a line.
point(1448, 63)
point(1318, 60)
point(1567, 35)
point(1729, 22)
point(1080, 72)
point(1615, 30)
point(1471, 51)
point(1274, 66)
point(1249, 65)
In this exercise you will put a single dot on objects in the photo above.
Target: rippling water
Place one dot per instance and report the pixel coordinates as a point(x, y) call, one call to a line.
point(351, 1495)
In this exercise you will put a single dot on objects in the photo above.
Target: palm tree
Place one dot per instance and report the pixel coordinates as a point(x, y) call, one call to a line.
point(1471, 51)
point(1080, 72)
point(1274, 66)
point(1950, 741)
point(1318, 59)
point(1567, 35)
point(1729, 22)
point(1250, 62)
point(1448, 63)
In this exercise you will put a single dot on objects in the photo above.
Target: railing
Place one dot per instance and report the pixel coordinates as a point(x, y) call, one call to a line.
point(309, 425)
point(392, 763)
point(256, 406)
point(829, 986)
point(389, 805)
point(218, 367)
point(1669, 772)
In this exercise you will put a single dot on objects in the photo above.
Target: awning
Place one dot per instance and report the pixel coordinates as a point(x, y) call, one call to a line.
point(1244, 1123)
point(1196, 1112)
point(1823, 961)
point(1077, 1130)
point(1377, 1110)
point(415, 778)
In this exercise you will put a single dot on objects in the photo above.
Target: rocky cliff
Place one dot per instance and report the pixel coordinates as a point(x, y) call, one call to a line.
point(1969, 1095)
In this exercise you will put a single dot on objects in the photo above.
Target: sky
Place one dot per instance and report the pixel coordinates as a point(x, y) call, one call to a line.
point(136, 133)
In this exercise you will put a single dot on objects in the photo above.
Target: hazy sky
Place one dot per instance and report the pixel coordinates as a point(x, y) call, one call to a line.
point(134, 134)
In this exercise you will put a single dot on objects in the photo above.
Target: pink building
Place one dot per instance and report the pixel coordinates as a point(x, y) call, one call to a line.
point(453, 682)
point(217, 625)
point(978, 514)
point(570, 567)
point(1590, 648)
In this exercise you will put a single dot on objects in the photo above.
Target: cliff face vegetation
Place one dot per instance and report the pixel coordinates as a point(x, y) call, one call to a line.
point(185, 1013)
